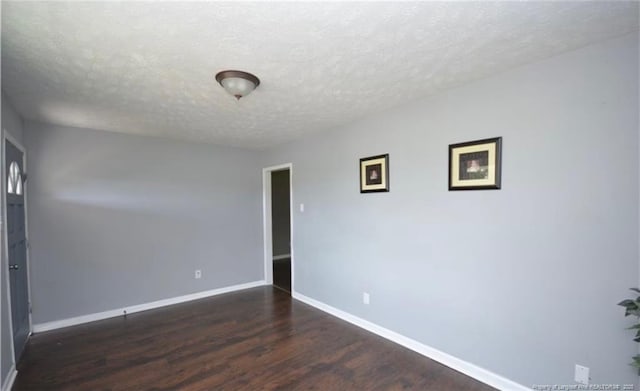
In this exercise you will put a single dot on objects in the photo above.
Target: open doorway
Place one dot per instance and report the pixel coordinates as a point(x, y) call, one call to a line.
point(281, 229)
point(277, 227)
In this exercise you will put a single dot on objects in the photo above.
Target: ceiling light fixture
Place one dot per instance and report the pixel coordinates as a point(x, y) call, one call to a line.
point(237, 83)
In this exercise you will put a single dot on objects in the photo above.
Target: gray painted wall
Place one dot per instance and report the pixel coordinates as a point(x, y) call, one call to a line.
point(117, 220)
point(12, 123)
point(280, 219)
point(521, 281)
point(11, 120)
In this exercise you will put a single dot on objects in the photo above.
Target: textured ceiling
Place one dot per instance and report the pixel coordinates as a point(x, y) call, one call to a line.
point(148, 67)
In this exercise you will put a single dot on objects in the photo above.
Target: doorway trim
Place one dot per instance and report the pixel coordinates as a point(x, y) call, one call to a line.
point(7, 137)
point(267, 228)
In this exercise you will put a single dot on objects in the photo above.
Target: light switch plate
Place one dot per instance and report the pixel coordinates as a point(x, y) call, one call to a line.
point(582, 375)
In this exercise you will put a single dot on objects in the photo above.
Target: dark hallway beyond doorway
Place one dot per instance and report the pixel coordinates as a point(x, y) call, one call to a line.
point(281, 228)
point(282, 274)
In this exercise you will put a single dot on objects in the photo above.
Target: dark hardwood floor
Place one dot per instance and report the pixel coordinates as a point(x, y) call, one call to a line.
point(258, 339)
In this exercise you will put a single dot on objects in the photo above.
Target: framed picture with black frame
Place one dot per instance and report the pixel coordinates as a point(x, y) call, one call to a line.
point(476, 165)
point(374, 174)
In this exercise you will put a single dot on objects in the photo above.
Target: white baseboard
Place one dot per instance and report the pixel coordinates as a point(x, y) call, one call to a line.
point(11, 377)
point(281, 256)
point(471, 370)
point(57, 324)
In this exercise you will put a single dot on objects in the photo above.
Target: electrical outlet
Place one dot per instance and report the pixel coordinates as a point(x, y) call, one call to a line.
point(366, 299)
point(198, 274)
point(582, 375)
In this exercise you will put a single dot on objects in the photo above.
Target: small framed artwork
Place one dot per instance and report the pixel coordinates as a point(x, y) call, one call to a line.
point(475, 165)
point(374, 174)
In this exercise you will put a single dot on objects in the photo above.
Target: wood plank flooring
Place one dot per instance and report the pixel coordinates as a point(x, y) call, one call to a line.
point(258, 339)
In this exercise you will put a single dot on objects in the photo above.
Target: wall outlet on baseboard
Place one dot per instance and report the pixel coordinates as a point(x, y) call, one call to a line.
point(198, 274)
point(582, 375)
point(366, 299)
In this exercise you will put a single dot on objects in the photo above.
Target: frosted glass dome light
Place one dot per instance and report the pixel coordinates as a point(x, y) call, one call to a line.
point(237, 83)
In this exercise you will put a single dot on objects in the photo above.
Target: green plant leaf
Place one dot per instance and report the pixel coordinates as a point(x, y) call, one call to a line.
point(632, 307)
point(635, 290)
point(629, 311)
point(626, 303)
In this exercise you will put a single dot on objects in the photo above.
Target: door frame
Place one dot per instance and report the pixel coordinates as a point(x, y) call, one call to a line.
point(7, 137)
point(267, 227)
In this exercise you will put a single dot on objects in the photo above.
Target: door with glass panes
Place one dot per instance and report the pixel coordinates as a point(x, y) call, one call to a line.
point(17, 245)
